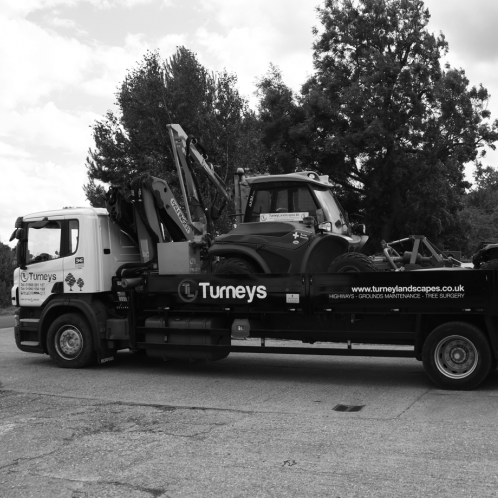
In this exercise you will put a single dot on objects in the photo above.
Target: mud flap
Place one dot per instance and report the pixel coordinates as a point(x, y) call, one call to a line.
point(105, 357)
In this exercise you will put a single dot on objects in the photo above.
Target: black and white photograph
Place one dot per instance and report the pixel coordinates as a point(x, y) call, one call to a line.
point(248, 249)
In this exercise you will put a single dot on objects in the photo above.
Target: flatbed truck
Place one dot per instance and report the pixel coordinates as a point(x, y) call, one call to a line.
point(144, 276)
point(79, 310)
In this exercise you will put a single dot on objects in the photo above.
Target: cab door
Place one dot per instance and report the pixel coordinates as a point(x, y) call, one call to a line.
point(81, 255)
point(43, 268)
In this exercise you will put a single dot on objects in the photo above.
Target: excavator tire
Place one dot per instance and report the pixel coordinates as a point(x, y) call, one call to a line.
point(234, 266)
point(352, 262)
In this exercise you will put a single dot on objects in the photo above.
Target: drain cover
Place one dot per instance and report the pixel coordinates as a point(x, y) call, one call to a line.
point(348, 408)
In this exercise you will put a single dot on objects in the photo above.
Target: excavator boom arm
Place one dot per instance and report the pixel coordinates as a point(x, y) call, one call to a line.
point(148, 210)
point(184, 147)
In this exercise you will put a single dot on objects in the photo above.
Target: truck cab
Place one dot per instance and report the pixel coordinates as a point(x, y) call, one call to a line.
point(68, 251)
point(66, 260)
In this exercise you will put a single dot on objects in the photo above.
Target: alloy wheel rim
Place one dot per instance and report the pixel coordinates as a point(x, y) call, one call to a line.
point(456, 357)
point(68, 342)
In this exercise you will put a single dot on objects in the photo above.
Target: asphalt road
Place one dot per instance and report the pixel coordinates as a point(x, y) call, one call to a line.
point(6, 321)
point(247, 426)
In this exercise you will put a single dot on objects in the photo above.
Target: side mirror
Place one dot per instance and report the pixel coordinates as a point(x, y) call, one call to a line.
point(17, 234)
point(326, 226)
point(360, 229)
point(20, 255)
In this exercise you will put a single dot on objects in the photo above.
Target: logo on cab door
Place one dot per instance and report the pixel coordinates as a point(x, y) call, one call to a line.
point(49, 277)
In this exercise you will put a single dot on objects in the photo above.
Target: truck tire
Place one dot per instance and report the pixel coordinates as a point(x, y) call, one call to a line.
point(234, 266)
point(352, 262)
point(457, 355)
point(492, 264)
point(70, 341)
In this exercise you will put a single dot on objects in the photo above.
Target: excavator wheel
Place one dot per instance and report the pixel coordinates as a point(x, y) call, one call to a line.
point(352, 262)
point(234, 266)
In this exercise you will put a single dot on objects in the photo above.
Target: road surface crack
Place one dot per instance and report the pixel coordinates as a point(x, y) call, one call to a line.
point(20, 460)
point(415, 401)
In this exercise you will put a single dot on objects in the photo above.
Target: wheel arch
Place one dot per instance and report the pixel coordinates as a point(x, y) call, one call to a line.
point(486, 253)
point(425, 324)
point(491, 252)
point(321, 252)
point(236, 251)
point(458, 355)
point(92, 309)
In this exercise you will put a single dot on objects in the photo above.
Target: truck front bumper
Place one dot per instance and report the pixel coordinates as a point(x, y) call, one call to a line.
point(27, 336)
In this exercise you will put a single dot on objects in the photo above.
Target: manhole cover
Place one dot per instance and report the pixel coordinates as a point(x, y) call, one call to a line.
point(348, 408)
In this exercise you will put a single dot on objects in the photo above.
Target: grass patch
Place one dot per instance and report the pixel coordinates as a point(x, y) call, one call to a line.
point(9, 310)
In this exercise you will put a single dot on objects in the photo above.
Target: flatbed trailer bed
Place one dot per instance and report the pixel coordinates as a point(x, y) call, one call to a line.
point(447, 317)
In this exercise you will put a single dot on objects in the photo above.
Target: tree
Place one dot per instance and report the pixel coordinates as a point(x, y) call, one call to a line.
point(134, 140)
point(386, 122)
point(480, 212)
point(7, 266)
point(279, 113)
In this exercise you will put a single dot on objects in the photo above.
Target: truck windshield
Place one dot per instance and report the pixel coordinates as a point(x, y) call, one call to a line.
point(44, 244)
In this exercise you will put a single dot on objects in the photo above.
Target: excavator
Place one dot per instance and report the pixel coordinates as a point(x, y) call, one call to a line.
point(289, 223)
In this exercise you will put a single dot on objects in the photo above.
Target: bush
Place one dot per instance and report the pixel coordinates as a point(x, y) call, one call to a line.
point(7, 267)
point(5, 299)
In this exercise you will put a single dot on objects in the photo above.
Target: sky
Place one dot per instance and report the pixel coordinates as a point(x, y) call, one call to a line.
point(61, 62)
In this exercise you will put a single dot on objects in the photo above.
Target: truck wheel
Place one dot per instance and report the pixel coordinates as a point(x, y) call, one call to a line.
point(234, 265)
point(457, 355)
point(351, 262)
point(492, 264)
point(70, 341)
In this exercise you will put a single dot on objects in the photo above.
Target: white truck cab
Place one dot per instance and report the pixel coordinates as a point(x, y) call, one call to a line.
point(76, 250)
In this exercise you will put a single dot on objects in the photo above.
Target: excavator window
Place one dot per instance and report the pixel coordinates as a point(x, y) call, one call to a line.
point(281, 199)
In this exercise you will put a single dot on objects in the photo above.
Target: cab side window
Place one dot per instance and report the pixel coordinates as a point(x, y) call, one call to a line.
point(44, 243)
point(74, 235)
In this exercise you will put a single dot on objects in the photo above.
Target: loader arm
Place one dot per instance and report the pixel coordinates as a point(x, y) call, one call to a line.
point(185, 150)
point(150, 214)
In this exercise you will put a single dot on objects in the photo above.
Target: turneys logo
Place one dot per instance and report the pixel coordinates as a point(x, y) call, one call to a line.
point(25, 276)
point(230, 291)
point(188, 290)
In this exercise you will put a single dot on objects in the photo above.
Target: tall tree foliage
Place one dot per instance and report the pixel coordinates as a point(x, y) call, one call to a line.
point(134, 140)
point(278, 115)
point(7, 267)
point(384, 120)
point(480, 212)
